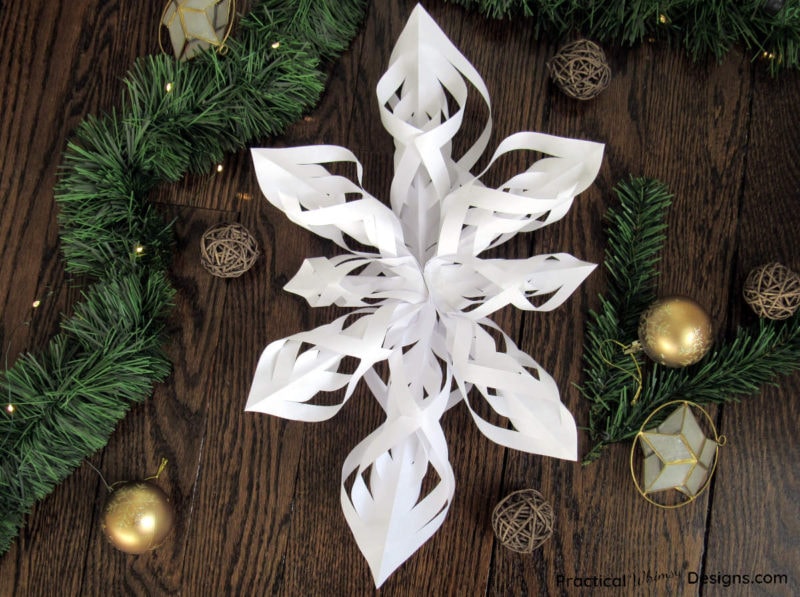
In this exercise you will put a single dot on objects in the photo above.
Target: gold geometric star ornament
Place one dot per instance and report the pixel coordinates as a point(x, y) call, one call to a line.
point(677, 455)
point(195, 25)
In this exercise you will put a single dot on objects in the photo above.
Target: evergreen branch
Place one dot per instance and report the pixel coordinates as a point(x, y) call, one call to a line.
point(327, 26)
point(704, 27)
point(635, 237)
point(636, 233)
point(68, 399)
point(736, 368)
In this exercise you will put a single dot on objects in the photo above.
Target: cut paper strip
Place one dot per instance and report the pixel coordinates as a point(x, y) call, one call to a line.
point(423, 296)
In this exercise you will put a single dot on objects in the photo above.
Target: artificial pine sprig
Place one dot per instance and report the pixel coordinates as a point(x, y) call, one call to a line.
point(635, 237)
point(738, 367)
point(636, 230)
point(703, 27)
point(64, 402)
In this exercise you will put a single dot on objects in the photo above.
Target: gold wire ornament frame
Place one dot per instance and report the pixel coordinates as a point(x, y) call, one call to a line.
point(195, 41)
point(719, 440)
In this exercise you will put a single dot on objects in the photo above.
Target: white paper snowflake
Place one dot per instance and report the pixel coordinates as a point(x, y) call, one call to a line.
point(423, 299)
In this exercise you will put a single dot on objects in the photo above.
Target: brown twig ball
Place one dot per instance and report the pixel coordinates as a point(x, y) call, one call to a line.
point(523, 520)
point(580, 69)
point(773, 291)
point(228, 250)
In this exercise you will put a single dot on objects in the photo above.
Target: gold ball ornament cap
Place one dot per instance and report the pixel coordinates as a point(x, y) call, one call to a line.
point(137, 517)
point(675, 331)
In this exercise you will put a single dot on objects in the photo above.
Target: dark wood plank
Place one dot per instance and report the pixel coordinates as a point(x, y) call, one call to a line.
point(246, 475)
point(40, 103)
point(753, 527)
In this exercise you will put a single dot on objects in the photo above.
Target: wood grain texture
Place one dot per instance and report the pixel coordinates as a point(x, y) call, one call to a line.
point(757, 483)
point(257, 497)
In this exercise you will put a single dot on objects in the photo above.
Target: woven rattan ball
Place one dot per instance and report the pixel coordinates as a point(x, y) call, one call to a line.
point(523, 520)
point(580, 69)
point(773, 291)
point(228, 250)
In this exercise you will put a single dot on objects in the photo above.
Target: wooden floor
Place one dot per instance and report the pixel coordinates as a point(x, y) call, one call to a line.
point(257, 498)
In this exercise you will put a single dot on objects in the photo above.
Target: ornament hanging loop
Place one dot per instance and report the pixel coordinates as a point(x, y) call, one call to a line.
point(162, 465)
point(629, 350)
point(109, 488)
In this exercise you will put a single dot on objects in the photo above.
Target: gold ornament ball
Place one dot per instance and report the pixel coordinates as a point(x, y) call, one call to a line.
point(675, 331)
point(137, 517)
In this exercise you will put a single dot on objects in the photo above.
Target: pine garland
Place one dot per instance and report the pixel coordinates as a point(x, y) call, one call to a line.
point(704, 27)
point(68, 399)
point(755, 356)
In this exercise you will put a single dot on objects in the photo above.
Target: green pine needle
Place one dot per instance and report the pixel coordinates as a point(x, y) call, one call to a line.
point(704, 27)
point(736, 368)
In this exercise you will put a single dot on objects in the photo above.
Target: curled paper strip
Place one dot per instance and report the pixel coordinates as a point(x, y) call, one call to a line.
point(423, 295)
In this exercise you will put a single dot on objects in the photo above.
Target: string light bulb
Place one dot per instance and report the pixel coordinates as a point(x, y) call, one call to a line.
point(138, 249)
point(663, 19)
point(10, 408)
point(276, 45)
point(219, 168)
point(168, 87)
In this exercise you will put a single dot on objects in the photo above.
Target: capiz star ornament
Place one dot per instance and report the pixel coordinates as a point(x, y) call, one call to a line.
point(678, 455)
point(195, 25)
point(422, 294)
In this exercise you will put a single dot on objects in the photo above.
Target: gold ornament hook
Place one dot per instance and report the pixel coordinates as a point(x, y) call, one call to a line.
point(630, 350)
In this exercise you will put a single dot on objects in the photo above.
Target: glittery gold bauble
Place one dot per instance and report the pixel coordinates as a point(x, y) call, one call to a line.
point(137, 517)
point(675, 331)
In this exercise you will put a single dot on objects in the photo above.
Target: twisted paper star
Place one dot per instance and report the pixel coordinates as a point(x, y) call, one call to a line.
point(423, 299)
